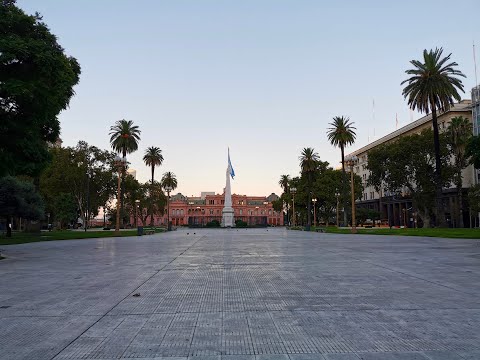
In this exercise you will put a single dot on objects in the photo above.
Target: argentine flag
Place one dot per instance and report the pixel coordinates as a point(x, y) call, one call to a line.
point(232, 172)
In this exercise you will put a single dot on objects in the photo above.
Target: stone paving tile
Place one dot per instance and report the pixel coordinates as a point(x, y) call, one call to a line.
point(241, 295)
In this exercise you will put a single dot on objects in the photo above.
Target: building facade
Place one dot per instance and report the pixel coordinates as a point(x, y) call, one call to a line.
point(198, 211)
point(396, 209)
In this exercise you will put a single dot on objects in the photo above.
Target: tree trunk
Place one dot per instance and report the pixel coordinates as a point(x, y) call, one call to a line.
point(122, 190)
point(9, 226)
point(439, 208)
point(344, 184)
point(460, 200)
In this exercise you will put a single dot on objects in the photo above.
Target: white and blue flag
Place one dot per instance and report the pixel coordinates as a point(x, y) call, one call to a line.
point(232, 172)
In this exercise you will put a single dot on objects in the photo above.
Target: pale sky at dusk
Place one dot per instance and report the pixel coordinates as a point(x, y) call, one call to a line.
point(264, 77)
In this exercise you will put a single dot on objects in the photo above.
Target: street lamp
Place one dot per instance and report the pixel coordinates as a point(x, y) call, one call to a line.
point(314, 200)
point(119, 163)
point(137, 203)
point(293, 191)
point(337, 195)
point(351, 160)
point(168, 188)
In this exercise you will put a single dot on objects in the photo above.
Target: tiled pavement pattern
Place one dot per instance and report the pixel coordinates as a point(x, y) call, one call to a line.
point(242, 295)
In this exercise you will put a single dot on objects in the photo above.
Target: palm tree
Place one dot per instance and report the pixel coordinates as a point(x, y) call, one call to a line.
point(124, 138)
point(309, 162)
point(153, 157)
point(169, 179)
point(340, 134)
point(459, 132)
point(284, 183)
point(433, 87)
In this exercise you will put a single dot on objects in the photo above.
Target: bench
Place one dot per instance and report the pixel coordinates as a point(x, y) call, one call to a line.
point(149, 232)
point(322, 230)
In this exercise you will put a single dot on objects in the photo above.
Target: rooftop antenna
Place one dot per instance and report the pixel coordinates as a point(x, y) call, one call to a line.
point(373, 118)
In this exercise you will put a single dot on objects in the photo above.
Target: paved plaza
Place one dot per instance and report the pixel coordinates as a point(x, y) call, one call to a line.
point(256, 294)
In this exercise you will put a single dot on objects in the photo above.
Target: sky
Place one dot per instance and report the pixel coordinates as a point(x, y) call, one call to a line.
point(263, 77)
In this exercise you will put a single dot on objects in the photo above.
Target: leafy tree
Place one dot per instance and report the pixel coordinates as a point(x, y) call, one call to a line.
point(474, 198)
point(153, 157)
point(472, 151)
point(86, 172)
point(65, 209)
point(398, 169)
point(150, 197)
point(19, 198)
point(340, 134)
point(433, 86)
point(308, 162)
point(459, 132)
point(284, 184)
point(36, 83)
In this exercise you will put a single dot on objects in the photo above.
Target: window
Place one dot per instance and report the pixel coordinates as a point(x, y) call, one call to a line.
point(211, 202)
point(364, 196)
point(211, 212)
point(241, 211)
point(223, 202)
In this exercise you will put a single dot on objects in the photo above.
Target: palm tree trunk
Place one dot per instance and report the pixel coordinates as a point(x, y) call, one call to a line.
point(122, 190)
point(151, 198)
point(344, 184)
point(439, 208)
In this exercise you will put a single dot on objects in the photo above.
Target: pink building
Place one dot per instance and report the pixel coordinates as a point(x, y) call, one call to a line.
point(198, 211)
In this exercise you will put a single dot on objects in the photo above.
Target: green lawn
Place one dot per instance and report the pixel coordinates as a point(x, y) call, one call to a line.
point(437, 232)
point(20, 238)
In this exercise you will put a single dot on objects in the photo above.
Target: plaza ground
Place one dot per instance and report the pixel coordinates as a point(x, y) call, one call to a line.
point(246, 294)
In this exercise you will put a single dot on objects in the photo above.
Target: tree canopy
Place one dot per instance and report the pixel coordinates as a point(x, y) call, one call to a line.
point(19, 198)
point(397, 170)
point(36, 84)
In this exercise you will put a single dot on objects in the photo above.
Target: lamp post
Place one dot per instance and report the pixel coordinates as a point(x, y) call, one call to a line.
point(168, 189)
point(293, 191)
point(119, 163)
point(351, 160)
point(337, 195)
point(137, 203)
point(314, 200)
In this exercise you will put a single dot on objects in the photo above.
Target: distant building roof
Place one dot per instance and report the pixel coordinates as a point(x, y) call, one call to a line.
point(462, 106)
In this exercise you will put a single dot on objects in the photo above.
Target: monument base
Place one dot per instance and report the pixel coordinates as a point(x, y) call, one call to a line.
point(227, 217)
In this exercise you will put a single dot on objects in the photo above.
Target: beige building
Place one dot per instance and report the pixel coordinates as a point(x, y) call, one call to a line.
point(396, 209)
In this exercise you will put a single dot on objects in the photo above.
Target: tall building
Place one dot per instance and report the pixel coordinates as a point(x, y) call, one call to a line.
point(396, 209)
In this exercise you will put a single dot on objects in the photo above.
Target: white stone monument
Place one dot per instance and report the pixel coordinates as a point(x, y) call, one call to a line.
point(227, 212)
